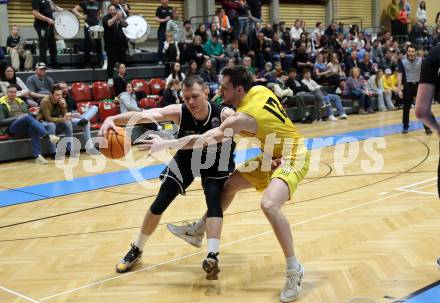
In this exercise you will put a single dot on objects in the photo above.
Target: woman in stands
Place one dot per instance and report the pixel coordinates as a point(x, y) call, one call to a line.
point(193, 69)
point(323, 74)
point(375, 85)
point(209, 75)
point(171, 94)
point(355, 88)
point(9, 77)
point(202, 32)
point(128, 101)
point(176, 73)
point(120, 81)
point(194, 51)
point(335, 66)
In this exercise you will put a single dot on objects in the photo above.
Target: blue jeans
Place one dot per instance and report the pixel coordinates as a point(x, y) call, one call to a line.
point(364, 100)
point(28, 125)
point(286, 62)
point(88, 115)
point(334, 99)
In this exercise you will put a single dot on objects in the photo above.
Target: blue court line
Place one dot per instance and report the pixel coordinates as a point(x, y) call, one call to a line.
point(428, 294)
point(61, 188)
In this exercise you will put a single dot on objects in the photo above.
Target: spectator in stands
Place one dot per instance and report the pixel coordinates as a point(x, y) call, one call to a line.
point(247, 62)
point(315, 89)
point(114, 39)
point(377, 54)
point(390, 85)
point(90, 12)
point(252, 35)
point(243, 12)
point(335, 67)
point(437, 27)
point(407, 7)
point(355, 88)
point(323, 74)
point(171, 51)
point(221, 20)
point(214, 30)
point(332, 29)
point(366, 66)
point(39, 84)
point(214, 49)
point(174, 27)
point(403, 20)
point(188, 33)
point(279, 52)
point(296, 30)
point(120, 81)
point(42, 10)
point(351, 62)
point(420, 35)
point(393, 15)
point(128, 101)
point(233, 52)
point(202, 32)
point(163, 15)
point(194, 51)
point(375, 85)
point(268, 31)
point(255, 12)
point(231, 7)
point(9, 77)
point(302, 59)
point(244, 47)
point(301, 96)
point(176, 73)
point(16, 120)
point(331, 99)
point(228, 36)
point(171, 94)
point(319, 29)
point(421, 13)
point(262, 50)
point(15, 48)
point(209, 75)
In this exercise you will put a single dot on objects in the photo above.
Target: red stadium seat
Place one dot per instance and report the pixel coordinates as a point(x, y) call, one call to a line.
point(34, 110)
point(156, 86)
point(84, 106)
point(81, 92)
point(141, 84)
point(4, 137)
point(148, 103)
point(101, 91)
point(107, 109)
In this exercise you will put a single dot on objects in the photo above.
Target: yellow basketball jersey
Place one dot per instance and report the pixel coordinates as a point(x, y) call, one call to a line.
point(274, 127)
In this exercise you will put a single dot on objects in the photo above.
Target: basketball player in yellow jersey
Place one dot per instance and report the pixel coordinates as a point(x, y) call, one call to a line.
point(258, 114)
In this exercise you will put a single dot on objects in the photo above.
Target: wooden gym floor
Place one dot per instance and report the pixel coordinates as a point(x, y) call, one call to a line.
point(362, 236)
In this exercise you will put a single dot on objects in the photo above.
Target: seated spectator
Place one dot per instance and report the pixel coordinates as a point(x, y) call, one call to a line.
point(377, 54)
point(231, 63)
point(390, 87)
point(232, 52)
point(221, 20)
point(279, 52)
point(355, 88)
point(301, 95)
point(209, 75)
point(262, 51)
point(193, 69)
point(267, 74)
point(228, 36)
point(335, 67)
point(302, 59)
point(214, 30)
point(420, 35)
point(268, 31)
point(120, 80)
point(315, 89)
point(171, 51)
point(176, 73)
point(40, 85)
point(366, 66)
point(323, 74)
point(128, 101)
point(9, 77)
point(247, 62)
point(171, 94)
point(375, 85)
point(296, 30)
point(340, 111)
point(202, 32)
point(244, 47)
point(16, 120)
point(80, 120)
point(188, 33)
point(214, 49)
point(195, 51)
point(351, 62)
point(15, 48)
point(319, 30)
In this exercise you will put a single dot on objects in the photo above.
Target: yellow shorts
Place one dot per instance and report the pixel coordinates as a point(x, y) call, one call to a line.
point(292, 172)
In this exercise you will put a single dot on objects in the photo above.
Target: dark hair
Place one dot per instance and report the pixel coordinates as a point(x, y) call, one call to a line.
point(413, 47)
point(173, 71)
point(186, 22)
point(12, 86)
point(3, 75)
point(292, 70)
point(191, 80)
point(424, 5)
point(238, 76)
point(318, 24)
point(306, 70)
point(55, 87)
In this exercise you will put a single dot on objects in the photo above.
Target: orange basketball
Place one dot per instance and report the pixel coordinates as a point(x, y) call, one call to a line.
point(117, 144)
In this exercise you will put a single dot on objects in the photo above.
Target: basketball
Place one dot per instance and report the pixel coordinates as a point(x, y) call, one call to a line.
point(117, 144)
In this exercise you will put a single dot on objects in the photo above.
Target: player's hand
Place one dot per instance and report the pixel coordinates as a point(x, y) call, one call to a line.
point(106, 126)
point(276, 163)
point(50, 22)
point(154, 143)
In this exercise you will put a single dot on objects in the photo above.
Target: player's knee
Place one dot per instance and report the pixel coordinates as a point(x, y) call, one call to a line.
point(268, 206)
point(157, 209)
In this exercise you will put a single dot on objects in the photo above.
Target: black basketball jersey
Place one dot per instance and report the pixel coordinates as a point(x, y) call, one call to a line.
point(190, 126)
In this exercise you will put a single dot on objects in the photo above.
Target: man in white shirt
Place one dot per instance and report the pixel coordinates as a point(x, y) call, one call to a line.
point(296, 30)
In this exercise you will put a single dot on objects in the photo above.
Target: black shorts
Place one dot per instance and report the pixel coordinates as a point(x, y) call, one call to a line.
point(180, 170)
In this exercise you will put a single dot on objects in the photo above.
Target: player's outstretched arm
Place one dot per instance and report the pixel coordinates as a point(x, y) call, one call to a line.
point(232, 125)
point(168, 113)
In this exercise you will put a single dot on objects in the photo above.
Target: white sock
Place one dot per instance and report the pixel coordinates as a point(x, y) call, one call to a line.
point(213, 245)
point(200, 226)
point(292, 263)
point(141, 240)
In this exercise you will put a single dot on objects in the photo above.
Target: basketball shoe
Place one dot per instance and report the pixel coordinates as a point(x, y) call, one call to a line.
point(210, 266)
point(187, 232)
point(129, 260)
point(292, 287)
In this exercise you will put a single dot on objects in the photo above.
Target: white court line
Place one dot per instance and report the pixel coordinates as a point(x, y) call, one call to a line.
point(223, 245)
point(18, 294)
point(417, 183)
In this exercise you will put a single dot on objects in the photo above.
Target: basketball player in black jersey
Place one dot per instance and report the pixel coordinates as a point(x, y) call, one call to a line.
point(195, 116)
point(428, 88)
